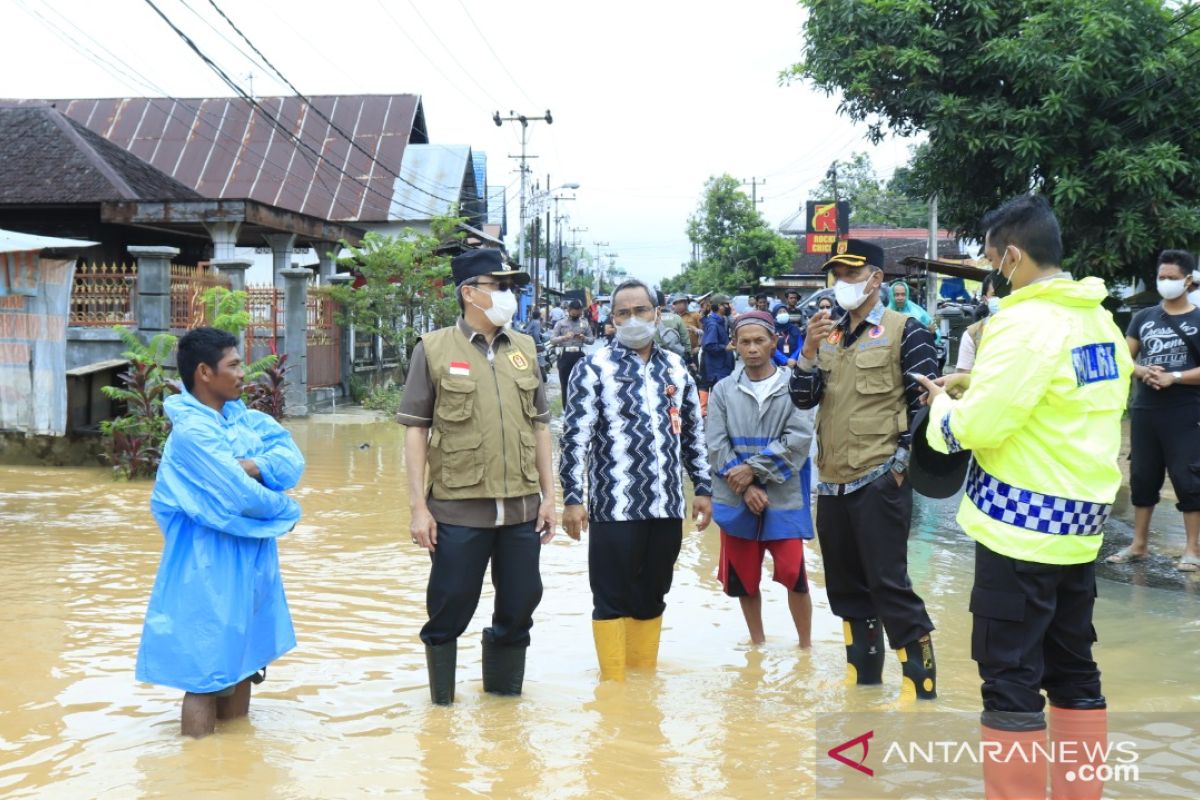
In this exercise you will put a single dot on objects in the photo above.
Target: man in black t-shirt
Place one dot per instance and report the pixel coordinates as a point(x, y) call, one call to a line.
point(1165, 414)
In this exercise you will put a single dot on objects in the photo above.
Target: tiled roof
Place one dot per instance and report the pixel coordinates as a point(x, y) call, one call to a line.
point(47, 158)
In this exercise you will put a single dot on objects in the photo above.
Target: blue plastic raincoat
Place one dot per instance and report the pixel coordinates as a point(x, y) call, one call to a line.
point(217, 612)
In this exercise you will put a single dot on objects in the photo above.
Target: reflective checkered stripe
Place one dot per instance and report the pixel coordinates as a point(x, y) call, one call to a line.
point(1033, 511)
point(952, 443)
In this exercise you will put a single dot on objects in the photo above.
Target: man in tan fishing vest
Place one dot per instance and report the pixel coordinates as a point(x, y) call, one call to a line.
point(481, 486)
point(859, 368)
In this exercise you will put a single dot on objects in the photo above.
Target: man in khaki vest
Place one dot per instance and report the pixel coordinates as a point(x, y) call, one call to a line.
point(481, 486)
point(859, 369)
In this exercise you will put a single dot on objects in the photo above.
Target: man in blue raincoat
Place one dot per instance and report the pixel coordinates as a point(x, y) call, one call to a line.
point(217, 615)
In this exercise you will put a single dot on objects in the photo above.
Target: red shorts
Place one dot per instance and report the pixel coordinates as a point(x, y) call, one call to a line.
point(740, 569)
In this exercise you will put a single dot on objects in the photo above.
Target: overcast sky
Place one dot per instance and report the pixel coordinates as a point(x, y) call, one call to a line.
point(649, 98)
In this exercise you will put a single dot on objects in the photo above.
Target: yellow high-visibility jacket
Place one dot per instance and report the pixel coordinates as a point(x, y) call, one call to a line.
point(1043, 418)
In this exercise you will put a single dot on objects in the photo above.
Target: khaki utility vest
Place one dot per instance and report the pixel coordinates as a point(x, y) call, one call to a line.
point(863, 411)
point(482, 443)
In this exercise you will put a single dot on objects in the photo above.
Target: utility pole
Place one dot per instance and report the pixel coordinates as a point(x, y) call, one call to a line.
point(558, 219)
point(754, 184)
point(575, 247)
point(597, 267)
point(549, 282)
point(524, 120)
point(612, 263)
point(930, 292)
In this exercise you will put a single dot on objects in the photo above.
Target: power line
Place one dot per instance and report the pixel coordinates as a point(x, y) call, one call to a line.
point(349, 138)
point(488, 45)
point(275, 121)
point(432, 62)
point(218, 32)
point(137, 77)
point(450, 53)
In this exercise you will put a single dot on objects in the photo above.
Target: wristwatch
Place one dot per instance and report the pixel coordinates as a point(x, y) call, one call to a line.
point(1178, 376)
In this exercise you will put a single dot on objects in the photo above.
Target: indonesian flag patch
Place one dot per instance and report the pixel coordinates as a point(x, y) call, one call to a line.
point(460, 368)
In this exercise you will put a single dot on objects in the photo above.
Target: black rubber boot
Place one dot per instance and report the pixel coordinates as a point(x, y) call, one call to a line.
point(503, 668)
point(441, 660)
point(918, 668)
point(864, 651)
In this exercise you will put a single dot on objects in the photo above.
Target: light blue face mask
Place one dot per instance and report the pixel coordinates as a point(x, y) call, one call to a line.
point(993, 305)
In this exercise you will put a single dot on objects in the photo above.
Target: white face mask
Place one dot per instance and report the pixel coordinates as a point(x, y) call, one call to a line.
point(782, 318)
point(504, 306)
point(850, 295)
point(1170, 289)
point(993, 305)
point(636, 333)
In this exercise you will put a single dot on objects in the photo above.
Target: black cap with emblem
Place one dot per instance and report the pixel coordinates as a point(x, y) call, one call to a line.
point(485, 261)
point(931, 473)
point(854, 253)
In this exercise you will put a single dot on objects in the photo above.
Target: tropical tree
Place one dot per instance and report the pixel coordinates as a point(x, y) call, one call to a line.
point(737, 247)
point(872, 201)
point(405, 288)
point(1090, 102)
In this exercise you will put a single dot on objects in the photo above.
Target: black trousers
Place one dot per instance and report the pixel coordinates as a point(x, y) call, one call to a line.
point(566, 363)
point(630, 565)
point(456, 581)
point(1165, 441)
point(864, 544)
point(1033, 631)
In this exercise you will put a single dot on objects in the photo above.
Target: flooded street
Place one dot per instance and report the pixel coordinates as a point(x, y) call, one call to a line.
point(347, 713)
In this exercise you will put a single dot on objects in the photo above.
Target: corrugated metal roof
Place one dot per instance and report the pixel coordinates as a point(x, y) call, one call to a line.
point(497, 202)
point(17, 242)
point(432, 169)
point(480, 160)
point(224, 148)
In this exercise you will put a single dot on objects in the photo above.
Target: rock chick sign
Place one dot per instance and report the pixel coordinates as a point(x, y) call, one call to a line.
point(826, 221)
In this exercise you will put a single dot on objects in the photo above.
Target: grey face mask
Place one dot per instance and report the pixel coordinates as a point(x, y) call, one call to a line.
point(636, 333)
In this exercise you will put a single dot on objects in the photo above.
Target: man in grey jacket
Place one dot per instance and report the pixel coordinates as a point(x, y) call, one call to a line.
point(758, 442)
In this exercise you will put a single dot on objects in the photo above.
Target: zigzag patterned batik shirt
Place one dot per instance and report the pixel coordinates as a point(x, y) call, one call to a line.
point(617, 431)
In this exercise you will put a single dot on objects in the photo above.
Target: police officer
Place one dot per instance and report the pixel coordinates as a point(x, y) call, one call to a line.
point(475, 408)
point(571, 334)
point(1042, 414)
point(859, 370)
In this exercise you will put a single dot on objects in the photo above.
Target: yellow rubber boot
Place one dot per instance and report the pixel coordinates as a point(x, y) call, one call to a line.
point(641, 641)
point(918, 669)
point(864, 651)
point(610, 648)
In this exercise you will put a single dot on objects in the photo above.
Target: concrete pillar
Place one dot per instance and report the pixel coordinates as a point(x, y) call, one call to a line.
point(327, 252)
point(234, 269)
point(154, 288)
point(282, 245)
point(224, 238)
point(347, 339)
point(295, 342)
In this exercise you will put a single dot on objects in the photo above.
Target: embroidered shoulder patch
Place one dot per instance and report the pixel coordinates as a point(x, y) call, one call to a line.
point(1094, 363)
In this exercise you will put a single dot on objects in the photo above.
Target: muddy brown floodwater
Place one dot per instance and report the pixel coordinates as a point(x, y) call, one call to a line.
point(347, 713)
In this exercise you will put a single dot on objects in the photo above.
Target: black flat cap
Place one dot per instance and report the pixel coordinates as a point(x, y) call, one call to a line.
point(485, 261)
point(854, 253)
point(934, 474)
